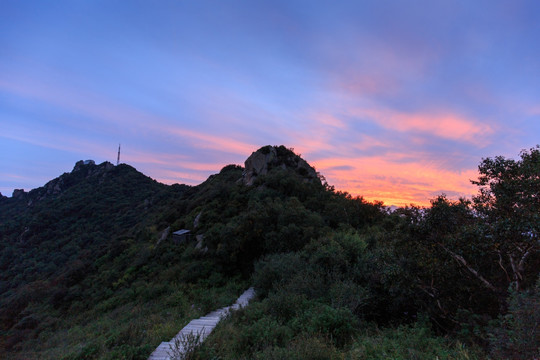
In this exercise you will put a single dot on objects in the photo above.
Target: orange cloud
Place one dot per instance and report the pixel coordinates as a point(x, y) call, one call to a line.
point(392, 178)
point(395, 183)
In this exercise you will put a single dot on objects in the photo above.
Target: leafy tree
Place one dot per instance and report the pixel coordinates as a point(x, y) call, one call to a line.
point(456, 266)
point(509, 204)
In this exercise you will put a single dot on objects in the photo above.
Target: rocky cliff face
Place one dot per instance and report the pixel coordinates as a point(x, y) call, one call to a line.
point(271, 157)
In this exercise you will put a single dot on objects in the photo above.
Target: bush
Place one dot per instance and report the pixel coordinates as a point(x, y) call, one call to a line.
point(284, 305)
point(304, 347)
point(408, 343)
point(339, 325)
point(516, 335)
point(274, 270)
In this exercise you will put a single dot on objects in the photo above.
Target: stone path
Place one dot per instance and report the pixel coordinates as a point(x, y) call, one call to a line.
point(202, 327)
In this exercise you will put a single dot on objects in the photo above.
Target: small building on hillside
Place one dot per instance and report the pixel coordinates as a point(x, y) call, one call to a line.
point(181, 236)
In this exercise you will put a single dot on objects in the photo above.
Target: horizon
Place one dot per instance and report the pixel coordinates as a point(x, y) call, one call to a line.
point(392, 102)
point(97, 163)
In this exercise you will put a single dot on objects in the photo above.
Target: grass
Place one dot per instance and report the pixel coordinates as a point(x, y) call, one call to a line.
point(415, 342)
point(232, 339)
point(130, 331)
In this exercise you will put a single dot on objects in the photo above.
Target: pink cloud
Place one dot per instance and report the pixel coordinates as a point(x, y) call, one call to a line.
point(172, 168)
point(180, 177)
point(374, 177)
point(329, 120)
point(395, 183)
point(215, 142)
point(446, 125)
point(534, 110)
point(365, 67)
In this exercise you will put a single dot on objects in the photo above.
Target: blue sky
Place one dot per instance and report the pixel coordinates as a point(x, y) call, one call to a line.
point(393, 100)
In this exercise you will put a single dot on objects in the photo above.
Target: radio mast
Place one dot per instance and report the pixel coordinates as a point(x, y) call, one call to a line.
point(118, 158)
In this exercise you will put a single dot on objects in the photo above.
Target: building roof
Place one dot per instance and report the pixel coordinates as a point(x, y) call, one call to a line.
point(181, 232)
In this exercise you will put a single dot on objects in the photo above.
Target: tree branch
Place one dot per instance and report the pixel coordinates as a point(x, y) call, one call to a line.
point(462, 261)
point(517, 273)
point(502, 266)
point(521, 265)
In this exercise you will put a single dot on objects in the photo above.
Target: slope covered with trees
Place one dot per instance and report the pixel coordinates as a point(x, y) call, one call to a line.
point(457, 280)
point(89, 269)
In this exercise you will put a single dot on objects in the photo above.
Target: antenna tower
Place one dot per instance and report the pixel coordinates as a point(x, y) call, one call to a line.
point(118, 158)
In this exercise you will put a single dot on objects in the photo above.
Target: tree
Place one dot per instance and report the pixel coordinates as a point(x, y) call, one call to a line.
point(449, 261)
point(509, 204)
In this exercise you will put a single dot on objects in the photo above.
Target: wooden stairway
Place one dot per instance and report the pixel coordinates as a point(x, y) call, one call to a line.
point(201, 327)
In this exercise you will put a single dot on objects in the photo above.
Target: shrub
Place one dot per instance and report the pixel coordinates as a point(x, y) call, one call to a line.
point(408, 343)
point(284, 305)
point(304, 347)
point(274, 270)
point(516, 335)
point(348, 294)
point(338, 324)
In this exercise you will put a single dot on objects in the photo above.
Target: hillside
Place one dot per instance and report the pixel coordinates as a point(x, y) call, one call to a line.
point(56, 239)
point(89, 269)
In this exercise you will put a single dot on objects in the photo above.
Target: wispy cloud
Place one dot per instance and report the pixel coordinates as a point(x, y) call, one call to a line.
point(441, 124)
point(396, 183)
point(393, 102)
point(215, 142)
point(180, 177)
point(60, 142)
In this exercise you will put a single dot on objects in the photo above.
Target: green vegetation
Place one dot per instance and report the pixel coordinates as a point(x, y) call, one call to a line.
point(87, 273)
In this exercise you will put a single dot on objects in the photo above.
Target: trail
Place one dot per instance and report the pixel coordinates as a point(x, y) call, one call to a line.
point(202, 326)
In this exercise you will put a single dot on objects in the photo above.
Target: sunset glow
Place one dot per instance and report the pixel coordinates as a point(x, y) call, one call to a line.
point(394, 103)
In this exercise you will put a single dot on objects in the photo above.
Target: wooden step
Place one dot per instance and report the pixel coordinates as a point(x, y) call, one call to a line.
point(202, 326)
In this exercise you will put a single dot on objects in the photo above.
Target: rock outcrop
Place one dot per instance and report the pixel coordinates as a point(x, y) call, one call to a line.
point(271, 157)
point(82, 170)
point(164, 234)
point(19, 194)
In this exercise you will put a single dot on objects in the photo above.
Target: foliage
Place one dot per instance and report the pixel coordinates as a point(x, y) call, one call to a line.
point(516, 335)
point(509, 203)
point(409, 342)
point(86, 272)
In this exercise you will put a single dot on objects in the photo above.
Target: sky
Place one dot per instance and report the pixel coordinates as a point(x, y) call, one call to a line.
point(395, 101)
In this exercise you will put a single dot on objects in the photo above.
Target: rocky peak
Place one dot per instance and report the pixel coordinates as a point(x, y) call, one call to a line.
point(79, 165)
point(19, 194)
point(91, 165)
point(83, 169)
point(271, 157)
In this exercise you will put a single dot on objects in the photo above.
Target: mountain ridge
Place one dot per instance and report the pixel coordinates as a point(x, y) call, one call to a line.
point(89, 269)
point(87, 236)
